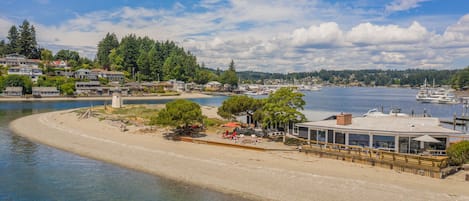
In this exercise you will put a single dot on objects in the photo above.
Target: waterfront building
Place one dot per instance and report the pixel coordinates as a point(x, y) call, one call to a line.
point(17, 60)
point(45, 91)
point(213, 86)
point(94, 88)
point(32, 72)
point(391, 133)
point(85, 74)
point(13, 91)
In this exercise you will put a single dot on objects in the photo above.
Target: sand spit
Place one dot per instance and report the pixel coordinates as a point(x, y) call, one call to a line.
point(181, 96)
point(272, 175)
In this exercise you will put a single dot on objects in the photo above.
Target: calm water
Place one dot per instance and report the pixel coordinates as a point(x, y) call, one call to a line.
point(30, 171)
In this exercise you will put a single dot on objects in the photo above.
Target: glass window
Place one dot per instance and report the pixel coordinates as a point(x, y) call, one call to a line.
point(339, 138)
point(381, 141)
point(314, 135)
point(322, 136)
point(330, 136)
point(359, 140)
point(403, 144)
point(414, 146)
point(303, 132)
point(437, 146)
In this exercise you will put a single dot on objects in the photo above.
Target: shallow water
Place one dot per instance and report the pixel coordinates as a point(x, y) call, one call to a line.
point(30, 171)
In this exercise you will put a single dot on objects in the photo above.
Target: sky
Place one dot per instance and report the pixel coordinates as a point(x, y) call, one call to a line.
point(264, 35)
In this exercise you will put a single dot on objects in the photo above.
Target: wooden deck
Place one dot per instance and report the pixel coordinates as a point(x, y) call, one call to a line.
point(432, 166)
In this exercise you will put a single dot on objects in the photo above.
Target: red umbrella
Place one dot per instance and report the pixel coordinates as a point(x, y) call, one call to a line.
point(231, 124)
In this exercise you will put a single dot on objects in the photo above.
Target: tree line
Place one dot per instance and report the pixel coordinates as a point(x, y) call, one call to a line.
point(410, 77)
point(21, 40)
point(148, 60)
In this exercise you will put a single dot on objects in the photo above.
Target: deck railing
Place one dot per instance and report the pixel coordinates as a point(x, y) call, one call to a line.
point(418, 164)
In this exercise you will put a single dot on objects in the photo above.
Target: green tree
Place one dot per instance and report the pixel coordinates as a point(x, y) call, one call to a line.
point(67, 88)
point(129, 50)
point(461, 79)
point(13, 38)
point(19, 81)
point(283, 107)
point(458, 153)
point(67, 55)
point(229, 76)
point(46, 57)
point(239, 105)
point(3, 48)
point(27, 43)
point(180, 113)
point(108, 43)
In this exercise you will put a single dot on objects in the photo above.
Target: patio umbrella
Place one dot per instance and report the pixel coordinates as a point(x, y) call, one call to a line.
point(231, 124)
point(426, 138)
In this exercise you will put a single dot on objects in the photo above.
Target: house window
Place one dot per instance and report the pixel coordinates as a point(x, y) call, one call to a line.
point(382, 141)
point(303, 132)
point(322, 136)
point(339, 138)
point(330, 136)
point(359, 140)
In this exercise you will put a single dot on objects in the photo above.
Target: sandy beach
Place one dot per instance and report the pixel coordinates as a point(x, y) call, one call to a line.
point(270, 175)
point(181, 96)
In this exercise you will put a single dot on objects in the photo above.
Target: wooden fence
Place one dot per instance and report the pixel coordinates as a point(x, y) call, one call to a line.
point(433, 166)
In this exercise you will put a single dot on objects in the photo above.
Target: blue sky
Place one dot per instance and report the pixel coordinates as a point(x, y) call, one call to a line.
point(264, 35)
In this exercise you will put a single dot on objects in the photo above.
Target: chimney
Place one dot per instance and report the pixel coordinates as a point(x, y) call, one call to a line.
point(344, 119)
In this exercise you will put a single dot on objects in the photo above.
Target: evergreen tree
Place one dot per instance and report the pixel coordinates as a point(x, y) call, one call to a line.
point(105, 46)
point(229, 76)
point(3, 48)
point(13, 37)
point(67, 55)
point(27, 44)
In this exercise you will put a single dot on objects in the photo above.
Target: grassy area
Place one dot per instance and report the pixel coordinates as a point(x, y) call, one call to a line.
point(141, 115)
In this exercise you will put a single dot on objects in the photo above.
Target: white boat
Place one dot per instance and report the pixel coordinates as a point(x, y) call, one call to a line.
point(308, 88)
point(393, 112)
point(435, 95)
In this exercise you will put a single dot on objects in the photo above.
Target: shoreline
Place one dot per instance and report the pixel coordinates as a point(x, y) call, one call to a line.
point(106, 98)
point(272, 175)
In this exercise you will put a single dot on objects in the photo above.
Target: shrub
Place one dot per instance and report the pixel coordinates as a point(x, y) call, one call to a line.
point(458, 153)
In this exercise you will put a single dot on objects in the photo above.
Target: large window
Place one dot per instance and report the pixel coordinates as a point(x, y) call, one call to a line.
point(322, 136)
point(303, 132)
point(339, 138)
point(437, 146)
point(408, 145)
point(330, 136)
point(314, 135)
point(383, 142)
point(359, 140)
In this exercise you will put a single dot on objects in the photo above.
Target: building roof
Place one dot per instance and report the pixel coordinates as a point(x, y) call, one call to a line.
point(386, 124)
point(12, 89)
point(45, 89)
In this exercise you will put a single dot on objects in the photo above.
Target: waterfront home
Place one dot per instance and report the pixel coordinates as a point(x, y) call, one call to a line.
point(17, 60)
point(13, 91)
point(87, 88)
point(213, 86)
point(59, 64)
point(112, 76)
point(86, 74)
point(32, 72)
point(391, 133)
point(45, 91)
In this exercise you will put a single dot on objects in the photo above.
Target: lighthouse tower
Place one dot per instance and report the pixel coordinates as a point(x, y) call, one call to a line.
point(117, 101)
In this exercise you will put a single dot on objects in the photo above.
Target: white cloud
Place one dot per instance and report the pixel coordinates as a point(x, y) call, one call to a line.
point(402, 5)
point(368, 33)
point(325, 35)
point(267, 36)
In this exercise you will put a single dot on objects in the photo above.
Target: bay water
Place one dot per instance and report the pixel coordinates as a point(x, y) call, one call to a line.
point(31, 171)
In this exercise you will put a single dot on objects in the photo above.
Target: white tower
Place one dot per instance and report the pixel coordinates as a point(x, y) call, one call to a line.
point(117, 101)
